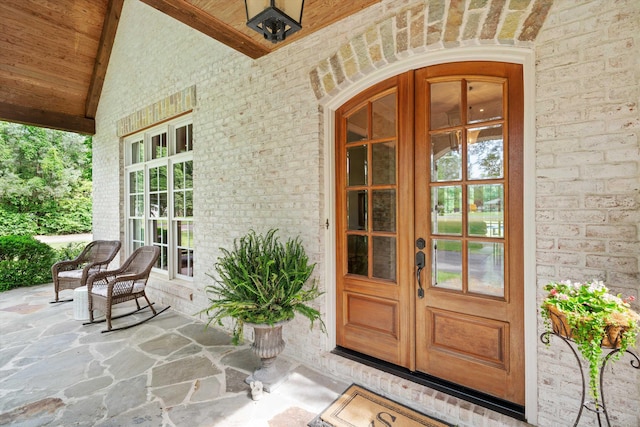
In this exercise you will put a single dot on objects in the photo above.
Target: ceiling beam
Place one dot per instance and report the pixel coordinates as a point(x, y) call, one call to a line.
point(190, 15)
point(109, 27)
point(48, 119)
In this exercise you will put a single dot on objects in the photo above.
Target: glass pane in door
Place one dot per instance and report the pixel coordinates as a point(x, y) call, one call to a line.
point(383, 118)
point(486, 210)
point(357, 214)
point(446, 205)
point(486, 268)
point(384, 258)
point(446, 264)
point(383, 163)
point(484, 100)
point(485, 152)
point(445, 105)
point(446, 160)
point(358, 125)
point(357, 165)
point(358, 255)
point(384, 210)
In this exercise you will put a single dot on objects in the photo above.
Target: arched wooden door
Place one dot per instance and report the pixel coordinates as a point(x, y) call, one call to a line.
point(429, 224)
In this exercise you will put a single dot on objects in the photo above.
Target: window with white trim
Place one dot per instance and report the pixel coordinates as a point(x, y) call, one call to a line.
point(159, 194)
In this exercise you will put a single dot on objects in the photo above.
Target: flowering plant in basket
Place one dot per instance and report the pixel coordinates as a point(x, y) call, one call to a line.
point(592, 317)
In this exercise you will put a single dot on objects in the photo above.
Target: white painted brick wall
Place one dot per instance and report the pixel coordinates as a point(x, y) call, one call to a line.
point(258, 162)
point(588, 178)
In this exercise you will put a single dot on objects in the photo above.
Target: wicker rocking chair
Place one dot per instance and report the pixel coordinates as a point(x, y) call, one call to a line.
point(72, 274)
point(108, 288)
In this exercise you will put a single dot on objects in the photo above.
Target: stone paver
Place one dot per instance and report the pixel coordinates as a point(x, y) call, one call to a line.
point(169, 372)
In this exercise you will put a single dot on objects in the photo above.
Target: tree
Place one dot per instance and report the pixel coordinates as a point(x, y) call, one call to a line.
point(45, 176)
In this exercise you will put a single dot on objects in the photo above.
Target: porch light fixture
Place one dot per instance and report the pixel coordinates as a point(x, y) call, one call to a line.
point(274, 19)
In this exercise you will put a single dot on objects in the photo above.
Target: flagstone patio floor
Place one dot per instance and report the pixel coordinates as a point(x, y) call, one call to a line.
point(170, 371)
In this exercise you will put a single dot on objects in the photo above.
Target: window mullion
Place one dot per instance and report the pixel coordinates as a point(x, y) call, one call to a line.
point(170, 221)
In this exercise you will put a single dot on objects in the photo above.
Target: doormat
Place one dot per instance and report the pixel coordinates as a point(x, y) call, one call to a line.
point(359, 407)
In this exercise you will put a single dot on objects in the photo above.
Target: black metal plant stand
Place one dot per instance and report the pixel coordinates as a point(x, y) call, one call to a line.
point(599, 408)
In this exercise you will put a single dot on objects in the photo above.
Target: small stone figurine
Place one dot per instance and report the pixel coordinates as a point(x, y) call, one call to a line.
point(256, 390)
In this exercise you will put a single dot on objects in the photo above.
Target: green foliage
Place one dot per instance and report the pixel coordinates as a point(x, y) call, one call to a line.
point(70, 251)
point(476, 228)
point(24, 261)
point(261, 280)
point(591, 311)
point(71, 215)
point(13, 223)
point(46, 175)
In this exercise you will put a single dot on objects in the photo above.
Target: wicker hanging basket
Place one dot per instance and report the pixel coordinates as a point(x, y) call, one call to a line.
point(612, 336)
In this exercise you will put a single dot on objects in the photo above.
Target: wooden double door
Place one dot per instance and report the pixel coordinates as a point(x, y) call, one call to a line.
point(429, 224)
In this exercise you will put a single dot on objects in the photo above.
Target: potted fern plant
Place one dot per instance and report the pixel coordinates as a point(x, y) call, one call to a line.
point(260, 282)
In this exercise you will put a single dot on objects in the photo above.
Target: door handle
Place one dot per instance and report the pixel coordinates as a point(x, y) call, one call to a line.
point(419, 266)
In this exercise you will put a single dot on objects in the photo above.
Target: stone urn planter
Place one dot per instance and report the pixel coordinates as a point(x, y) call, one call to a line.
point(267, 345)
point(262, 282)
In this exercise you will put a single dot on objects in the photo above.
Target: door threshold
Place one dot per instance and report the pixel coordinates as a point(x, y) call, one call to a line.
point(481, 399)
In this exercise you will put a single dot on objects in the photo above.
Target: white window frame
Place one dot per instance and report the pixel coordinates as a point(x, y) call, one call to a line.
point(172, 270)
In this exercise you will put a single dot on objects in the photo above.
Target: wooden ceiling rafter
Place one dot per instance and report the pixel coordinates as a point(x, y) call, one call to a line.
point(48, 119)
point(197, 19)
point(109, 28)
point(54, 54)
point(12, 110)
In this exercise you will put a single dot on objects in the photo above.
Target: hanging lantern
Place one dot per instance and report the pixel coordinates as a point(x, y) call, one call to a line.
point(274, 19)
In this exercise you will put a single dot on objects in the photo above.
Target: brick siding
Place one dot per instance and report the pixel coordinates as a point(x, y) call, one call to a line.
point(259, 150)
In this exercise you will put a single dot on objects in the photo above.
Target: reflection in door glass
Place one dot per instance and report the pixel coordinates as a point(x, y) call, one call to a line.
point(384, 117)
point(358, 258)
point(485, 152)
point(384, 258)
point(357, 125)
point(383, 206)
point(357, 165)
point(357, 209)
point(486, 213)
point(445, 105)
point(446, 163)
point(446, 261)
point(446, 208)
point(383, 163)
point(484, 100)
point(486, 268)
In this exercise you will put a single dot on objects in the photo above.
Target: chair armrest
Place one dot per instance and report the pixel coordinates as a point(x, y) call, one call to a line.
point(107, 276)
point(128, 277)
point(66, 265)
point(94, 267)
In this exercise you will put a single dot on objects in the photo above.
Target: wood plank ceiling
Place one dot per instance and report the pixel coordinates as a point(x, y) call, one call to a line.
point(54, 53)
